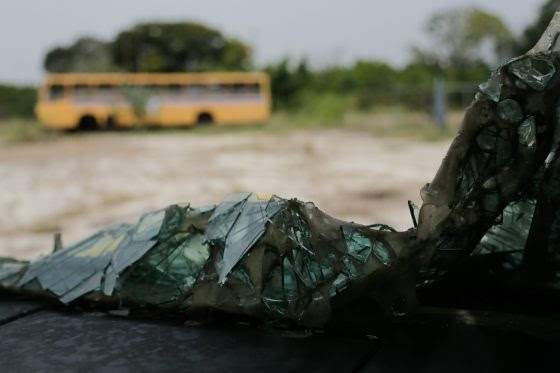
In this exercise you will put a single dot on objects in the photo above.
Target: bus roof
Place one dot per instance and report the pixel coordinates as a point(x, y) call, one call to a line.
point(156, 78)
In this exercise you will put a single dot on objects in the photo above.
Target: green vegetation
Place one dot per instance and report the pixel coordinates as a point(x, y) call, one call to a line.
point(153, 47)
point(362, 95)
point(365, 85)
point(17, 101)
point(385, 122)
point(23, 130)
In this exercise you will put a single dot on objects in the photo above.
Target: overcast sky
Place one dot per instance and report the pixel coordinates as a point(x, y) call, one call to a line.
point(324, 31)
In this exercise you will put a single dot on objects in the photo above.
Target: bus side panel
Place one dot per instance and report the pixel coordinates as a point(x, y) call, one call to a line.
point(57, 115)
point(241, 113)
point(221, 113)
point(177, 115)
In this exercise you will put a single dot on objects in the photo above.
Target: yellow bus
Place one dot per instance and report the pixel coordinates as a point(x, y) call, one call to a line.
point(99, 100)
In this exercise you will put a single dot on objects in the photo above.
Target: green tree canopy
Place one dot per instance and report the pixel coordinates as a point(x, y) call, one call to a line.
point(466, 36)
point(186, 46)
point(288, 81)
point(154, 47)
point(85, 54)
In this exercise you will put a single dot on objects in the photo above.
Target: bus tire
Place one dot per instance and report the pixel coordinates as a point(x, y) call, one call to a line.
point(87, 123)
point(205, 118)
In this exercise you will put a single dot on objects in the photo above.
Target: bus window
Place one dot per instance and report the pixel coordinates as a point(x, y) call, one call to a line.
point(81, 90)
point(196, 89)
point(253, 89)
point(175, 89)
point(154, 89)
point(225, 89)
point(105, 89)
point(56, 92)
point(214, 89)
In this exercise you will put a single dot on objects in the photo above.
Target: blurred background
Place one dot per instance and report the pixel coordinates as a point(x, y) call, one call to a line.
point(364, 96)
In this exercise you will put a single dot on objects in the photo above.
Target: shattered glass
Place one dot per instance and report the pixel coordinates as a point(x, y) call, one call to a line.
point(509, 236)
point(492, 87)
point(495, 198)
point(248, 227)
point(534, 71)
point(510, 111)
point(527, 134)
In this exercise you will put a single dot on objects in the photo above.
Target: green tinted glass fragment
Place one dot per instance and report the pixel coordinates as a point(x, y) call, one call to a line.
point(87, 286)
point(149, 225)
point(290, 280)
point(224, 216)
point(126, 254)
point(273, 292)
point(10, 267)
point(493, 86)
point(486, 139)
point(67, 269)
point(534, 71)
point(509, 111)
point(527, 133)
point(247, 229)
point(358, 245)
point(384, 253)
point(339, 284)
point(510, 234)
point(174, 216)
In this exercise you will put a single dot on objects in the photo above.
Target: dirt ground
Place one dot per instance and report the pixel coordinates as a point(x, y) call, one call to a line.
point(79, 184)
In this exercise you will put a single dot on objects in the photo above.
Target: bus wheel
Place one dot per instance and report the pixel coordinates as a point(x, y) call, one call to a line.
point(88, 123)
point(205, 118)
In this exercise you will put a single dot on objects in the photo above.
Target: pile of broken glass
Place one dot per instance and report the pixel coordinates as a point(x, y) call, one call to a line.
point(496, 193)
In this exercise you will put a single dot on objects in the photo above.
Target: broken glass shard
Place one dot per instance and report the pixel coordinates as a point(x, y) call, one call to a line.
point(492, 87)
point(510, 111)
point(67, 269)
point(149, 226)
point(224, 216)
point(510, 234)
point(536, 72)
point(528, 135)
point(384, 253)
point(358, 245)
point(247, 229)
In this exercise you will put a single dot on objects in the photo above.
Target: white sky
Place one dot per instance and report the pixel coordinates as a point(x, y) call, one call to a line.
point(324, 31)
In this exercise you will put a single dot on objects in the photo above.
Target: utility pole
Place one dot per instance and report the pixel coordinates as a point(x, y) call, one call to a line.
point(439, 108)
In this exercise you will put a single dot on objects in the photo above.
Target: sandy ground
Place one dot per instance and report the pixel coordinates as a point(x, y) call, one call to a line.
point(79, 184)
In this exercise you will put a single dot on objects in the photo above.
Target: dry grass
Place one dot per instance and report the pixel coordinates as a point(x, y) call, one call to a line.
point(387, 122)
point(23, 130)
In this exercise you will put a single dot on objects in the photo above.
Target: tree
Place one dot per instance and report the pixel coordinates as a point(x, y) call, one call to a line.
point(170, 47)
point(288, 82)
point(533, 32)
point(153, 47)
point(85, 54)
point(466, 36)
point(17, 101)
